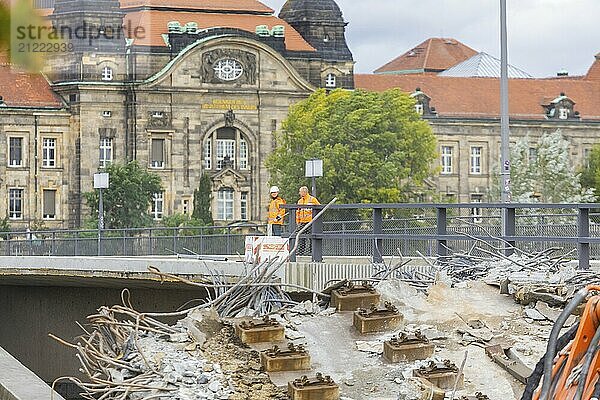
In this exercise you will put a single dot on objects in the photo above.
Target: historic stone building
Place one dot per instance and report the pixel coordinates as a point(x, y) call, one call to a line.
point(457, 91)
point(187, 87)
point(184, 87)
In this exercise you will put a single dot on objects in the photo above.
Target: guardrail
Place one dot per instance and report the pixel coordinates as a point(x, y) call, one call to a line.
point(440, 228)
point(215, 240)
point(357, 230)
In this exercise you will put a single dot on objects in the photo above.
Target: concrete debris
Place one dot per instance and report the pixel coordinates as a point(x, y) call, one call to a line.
point(453, 302)
point(306, 308)
point(534, 314)
point(374, 346)
point(293, 335)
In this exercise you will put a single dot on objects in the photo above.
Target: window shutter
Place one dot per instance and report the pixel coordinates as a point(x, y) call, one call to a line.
point(49, 202)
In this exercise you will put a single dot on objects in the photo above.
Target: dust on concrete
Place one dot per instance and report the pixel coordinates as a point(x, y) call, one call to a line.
point(331, 341)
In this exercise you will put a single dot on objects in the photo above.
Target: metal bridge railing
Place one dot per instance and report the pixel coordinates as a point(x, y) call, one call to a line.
point(379, 230)
point(215, 240)
point(359, 230)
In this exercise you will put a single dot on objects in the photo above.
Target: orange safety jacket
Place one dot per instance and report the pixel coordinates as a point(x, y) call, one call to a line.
point(305, 215)
point(275, 210)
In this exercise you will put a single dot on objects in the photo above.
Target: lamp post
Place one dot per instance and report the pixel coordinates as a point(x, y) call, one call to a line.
point(504, 116)
point(508, 215)
point(100, 182)
point(313, 169)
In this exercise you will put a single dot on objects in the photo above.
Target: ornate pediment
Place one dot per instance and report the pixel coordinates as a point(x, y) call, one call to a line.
point(228, 66)
point(159, 119)
point(228, 177)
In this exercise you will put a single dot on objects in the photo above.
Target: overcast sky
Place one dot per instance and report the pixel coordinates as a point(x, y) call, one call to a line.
point(544, 36)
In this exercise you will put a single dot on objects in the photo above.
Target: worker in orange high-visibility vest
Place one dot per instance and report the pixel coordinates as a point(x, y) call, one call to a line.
point(276, 212)
point(304, 216)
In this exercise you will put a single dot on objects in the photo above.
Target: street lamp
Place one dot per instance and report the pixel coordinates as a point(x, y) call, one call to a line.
point(504, 116)
point(100, 182)
point(313, 169)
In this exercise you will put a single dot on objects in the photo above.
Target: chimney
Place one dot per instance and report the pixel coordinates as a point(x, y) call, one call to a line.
point(562, 72)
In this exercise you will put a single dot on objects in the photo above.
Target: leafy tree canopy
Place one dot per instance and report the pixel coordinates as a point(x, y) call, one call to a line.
point(590, 175)
point(544, 172)
point(374, 146)
point(128, 199)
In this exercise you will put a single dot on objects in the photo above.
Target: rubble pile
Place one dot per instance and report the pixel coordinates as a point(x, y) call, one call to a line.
point(198, 358)
point(453, 303)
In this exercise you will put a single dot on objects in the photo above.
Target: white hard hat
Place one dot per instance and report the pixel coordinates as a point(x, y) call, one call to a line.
point(274, 189)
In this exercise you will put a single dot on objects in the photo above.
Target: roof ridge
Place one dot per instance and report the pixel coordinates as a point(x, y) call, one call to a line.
point(429, 44)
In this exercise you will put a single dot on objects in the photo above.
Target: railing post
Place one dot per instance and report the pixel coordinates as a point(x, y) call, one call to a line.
point(53, 245)
point(583, 231)
point(175, 232)
point(344, 240)
point(228, 240)
point(509, 229)
point(124, 242)
point(149, 242)
point(377, 230)
point(317, 243)
point(201, 241)
point(76, 243)
point(292, 233)
point(442, 225)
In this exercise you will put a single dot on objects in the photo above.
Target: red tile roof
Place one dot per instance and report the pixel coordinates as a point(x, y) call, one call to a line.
point(156, 23)
point(253, 6)
point(433, 55)
point(594, 71)
point(22, 89)
point(480, 97)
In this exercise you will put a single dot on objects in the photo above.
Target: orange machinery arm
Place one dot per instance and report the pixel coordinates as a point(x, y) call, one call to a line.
point(579, 360)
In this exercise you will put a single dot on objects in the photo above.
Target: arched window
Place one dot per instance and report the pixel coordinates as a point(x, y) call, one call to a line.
point(226, 148)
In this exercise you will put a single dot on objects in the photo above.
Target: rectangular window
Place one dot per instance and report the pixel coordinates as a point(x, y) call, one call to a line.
point(158, 153)
point(225, 152)
point(185, 206)
point(15, 152)
point(157, 206)
point(587, 152)
point(419, 108)
point(225, 205)
point(49, 204)
point(106, 153)
point(48, 152)
point(330, 81)
point(244, 206)
point(243, 154)
point(532, 155)
point(208, 154)
point(447, 159)
point(15, 203)
point(563, 113)
point(476, 159)
point(477, 212)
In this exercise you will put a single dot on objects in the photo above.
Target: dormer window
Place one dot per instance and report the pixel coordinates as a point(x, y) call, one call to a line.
point(107, 74)
point(422, 103)
point(562, 108)
point(563, 113)
point(331, 81)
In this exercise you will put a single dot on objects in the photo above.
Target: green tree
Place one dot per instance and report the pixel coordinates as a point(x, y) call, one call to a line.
point(374, 146)
point(202, 200)
point(590, 174)
point(544, 172)
point(128, 199)
point(4, 227)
